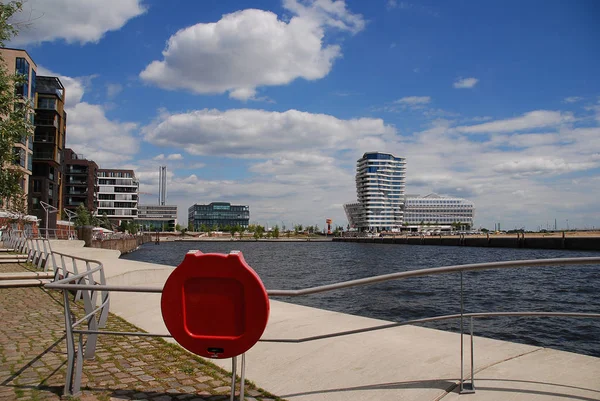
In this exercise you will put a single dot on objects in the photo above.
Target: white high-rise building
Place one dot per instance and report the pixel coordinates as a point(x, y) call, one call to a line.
point(117, 194)
point(380, 193)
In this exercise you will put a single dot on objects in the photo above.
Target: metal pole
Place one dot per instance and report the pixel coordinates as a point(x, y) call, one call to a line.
point(461, 335)
point(233, 372)
point(243, 378)
point(472, 358)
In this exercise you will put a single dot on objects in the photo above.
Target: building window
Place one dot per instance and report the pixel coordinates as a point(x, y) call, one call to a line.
point(47, 103)
point(22, 68)
point(37, 186)
point(20, 157)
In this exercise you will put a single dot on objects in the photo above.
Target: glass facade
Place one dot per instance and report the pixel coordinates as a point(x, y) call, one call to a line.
point(219, 214)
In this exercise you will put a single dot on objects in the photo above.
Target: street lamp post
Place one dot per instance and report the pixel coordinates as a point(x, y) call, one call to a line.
point(49, 209)
point(70, 215)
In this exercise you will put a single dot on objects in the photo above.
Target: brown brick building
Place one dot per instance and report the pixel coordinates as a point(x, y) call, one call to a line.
point(80, 178)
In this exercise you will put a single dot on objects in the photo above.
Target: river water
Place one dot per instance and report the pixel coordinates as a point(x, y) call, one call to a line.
point(295, 265)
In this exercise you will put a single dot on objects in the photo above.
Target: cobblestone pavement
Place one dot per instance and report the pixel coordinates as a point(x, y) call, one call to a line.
point(33, 358)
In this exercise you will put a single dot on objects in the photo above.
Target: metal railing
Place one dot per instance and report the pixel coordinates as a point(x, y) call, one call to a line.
point(38, 250)
point(58, 233)
point(96, 305)
point(93, 286)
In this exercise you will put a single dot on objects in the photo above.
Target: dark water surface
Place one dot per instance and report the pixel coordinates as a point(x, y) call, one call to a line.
point(290, 265)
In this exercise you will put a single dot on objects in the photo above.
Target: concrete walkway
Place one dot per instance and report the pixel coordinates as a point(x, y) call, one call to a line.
point(402, 363)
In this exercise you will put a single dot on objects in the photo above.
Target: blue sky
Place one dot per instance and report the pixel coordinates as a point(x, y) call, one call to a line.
point(270, 103)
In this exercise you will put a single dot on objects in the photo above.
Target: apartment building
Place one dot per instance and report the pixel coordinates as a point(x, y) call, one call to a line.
point(80, 178)
point(19, 61)
point(46, 184)
point(118, 194)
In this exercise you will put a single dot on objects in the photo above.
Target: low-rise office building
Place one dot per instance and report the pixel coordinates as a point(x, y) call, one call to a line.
point(157, 217)
point(437, 209)
point(218, 214)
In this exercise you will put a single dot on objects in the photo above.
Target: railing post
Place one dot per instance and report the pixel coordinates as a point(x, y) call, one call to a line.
point(233, 373)
point(243, 378)
point(68, 390)
point(465, 388)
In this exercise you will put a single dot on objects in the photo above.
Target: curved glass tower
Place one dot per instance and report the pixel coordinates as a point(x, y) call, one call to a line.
point(380, 191)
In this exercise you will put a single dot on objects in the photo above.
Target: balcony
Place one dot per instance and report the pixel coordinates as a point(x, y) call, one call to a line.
point(46, 121)
point(74, 181)
point(77, 170)
point(73, 191)
point(46, 155)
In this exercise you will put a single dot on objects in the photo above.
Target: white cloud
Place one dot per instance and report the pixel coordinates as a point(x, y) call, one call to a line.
point(72, 20)
point(543, 165)
point(159, 157)
point(175, 156)
point(113, 90)
point(299, 167)
point(528, 121)
point(413, 100)
point(251, 48)
point(332, 13)
point(572, 99)
point(90, 132)
point(596, 109)
point(462, 83)
point(261, 134)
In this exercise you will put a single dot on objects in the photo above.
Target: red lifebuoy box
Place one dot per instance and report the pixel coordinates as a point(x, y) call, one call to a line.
point(215, 305)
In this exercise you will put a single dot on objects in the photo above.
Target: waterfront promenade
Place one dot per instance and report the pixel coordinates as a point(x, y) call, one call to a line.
point(404, 363)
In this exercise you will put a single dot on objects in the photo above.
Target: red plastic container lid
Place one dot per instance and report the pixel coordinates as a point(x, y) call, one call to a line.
point(215, 305)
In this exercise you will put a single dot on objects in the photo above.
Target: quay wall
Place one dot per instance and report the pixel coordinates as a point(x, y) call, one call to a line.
point(123, 245)
point(517, 241)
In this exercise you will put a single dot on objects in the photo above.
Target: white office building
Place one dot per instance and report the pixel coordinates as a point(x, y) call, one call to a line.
point(380, 193)
point(117, 194)
point(437, 209)
point(157, 217)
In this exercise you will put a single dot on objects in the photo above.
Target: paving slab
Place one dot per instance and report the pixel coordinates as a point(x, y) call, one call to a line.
point(542, 375)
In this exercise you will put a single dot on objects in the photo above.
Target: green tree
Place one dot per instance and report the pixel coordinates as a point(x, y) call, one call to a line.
point(16, 119)
point(275, 233)
point(190, 226)
point(83, 217)
point(177, 227)
point(233, 230)
point(104, 222)
point(317, 230)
